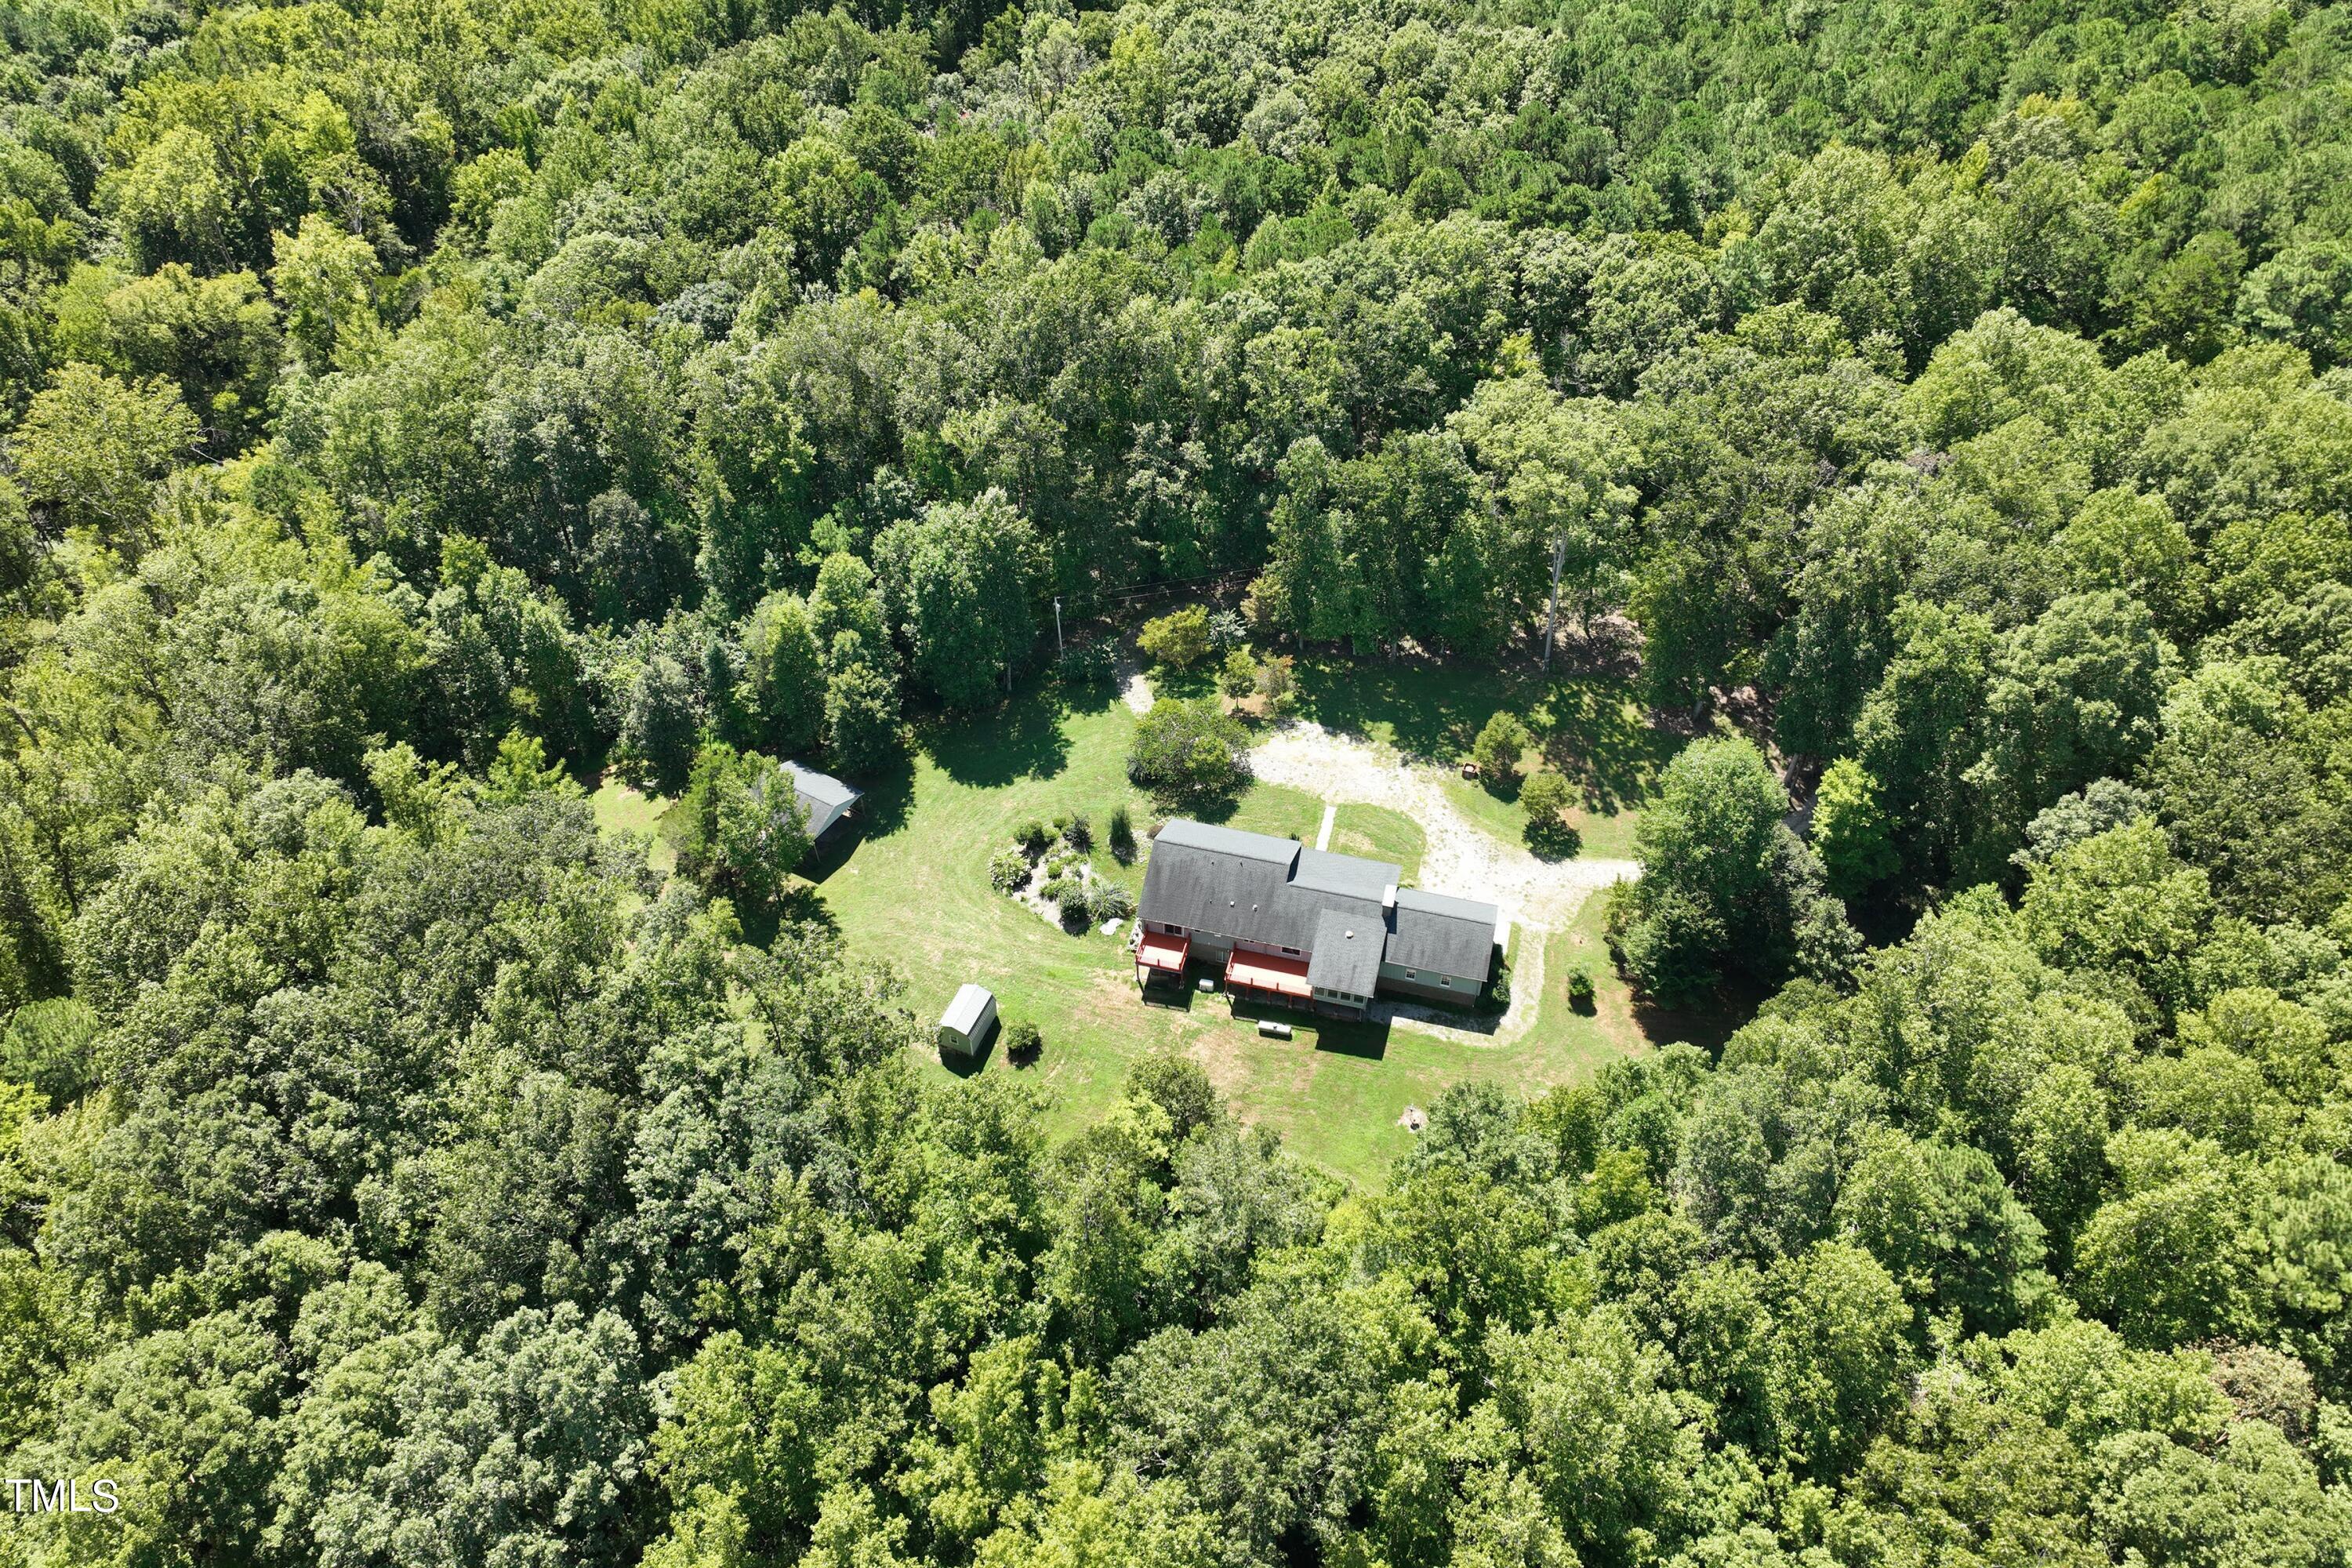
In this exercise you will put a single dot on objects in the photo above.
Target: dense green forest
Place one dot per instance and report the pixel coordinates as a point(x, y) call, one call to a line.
point(414, 407)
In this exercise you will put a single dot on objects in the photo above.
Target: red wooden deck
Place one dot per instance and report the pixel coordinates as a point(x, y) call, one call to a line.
point(1159, 953)
point(1268, 975)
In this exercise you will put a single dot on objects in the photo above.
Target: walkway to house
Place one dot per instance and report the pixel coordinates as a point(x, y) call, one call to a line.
point(1457, 857)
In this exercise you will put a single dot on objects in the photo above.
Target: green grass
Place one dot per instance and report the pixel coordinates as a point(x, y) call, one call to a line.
point(1607, 835)
point(1278, 809)
point(1380, 833)
point(624, 813)
point(909, 887)
point(1500, 816)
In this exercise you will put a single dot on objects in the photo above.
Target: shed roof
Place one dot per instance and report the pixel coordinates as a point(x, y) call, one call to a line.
point(1346, 955)
point(1452, 936)
point(825, 798)
point(1349, 876)
point(971, 1004)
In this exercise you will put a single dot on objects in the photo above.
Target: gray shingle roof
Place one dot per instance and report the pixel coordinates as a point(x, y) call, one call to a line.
point(1346, 955)
point(1219, 880)
point(825, 798)
point(1349, 876)
point(1452, 936)
point(1228, 841)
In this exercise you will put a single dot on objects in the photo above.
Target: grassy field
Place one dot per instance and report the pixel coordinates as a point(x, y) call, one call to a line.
point(909, 887)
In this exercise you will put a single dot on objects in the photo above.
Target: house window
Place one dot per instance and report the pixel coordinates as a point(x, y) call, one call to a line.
point(1448, 983)
point(1412, 974)
point(1292, 951)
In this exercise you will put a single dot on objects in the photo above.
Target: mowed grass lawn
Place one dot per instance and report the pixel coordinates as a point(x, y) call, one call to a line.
point(910, 888)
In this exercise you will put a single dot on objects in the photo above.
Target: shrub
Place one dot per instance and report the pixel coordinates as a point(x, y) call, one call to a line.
point(1238, 679)
point(1089, 663)
point(1580, 990)
point(1077, 832)
point(1111, 903)
point(1228, 628)
point(1180, 640)
point(1278, 679)
point(1060, 890)
point(1033, 837)
point(1121, 831)
point(1007, 870)
point(1547, 798)
point(1022, 1041)
point(1188, 751)
point(1498, 748)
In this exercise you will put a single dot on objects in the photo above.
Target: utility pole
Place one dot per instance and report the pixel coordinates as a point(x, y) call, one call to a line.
point(1057, 624)
point(1559, 559)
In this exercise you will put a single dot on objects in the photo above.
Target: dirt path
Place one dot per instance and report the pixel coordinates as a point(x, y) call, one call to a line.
point(1457, 857)
point(1134, 688)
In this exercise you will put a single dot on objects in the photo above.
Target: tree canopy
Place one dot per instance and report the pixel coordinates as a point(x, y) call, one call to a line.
point(410, 412)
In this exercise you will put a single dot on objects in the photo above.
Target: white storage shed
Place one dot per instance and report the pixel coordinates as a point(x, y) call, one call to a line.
point(964, 1027)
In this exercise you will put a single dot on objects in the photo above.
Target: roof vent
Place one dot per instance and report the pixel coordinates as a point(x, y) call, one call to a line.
point(1352, 936)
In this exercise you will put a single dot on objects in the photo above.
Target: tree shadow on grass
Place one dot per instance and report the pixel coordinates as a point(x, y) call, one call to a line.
point(888, 800)
point(971, 1065)
point(1611, 755)
point(1084, 697)
point(1362, 1038)
point(1564, 844)
point(800, 906)
point(1217, 809)
point(1706, 1023)
point(1185, 685)
point(1021, 739)
point(1503, 787)
point(1432, 711)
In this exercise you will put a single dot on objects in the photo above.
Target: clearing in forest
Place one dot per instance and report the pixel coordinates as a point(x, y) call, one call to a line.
point(910, 887)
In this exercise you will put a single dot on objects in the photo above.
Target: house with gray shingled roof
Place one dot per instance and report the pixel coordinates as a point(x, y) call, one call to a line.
point(1304, 925)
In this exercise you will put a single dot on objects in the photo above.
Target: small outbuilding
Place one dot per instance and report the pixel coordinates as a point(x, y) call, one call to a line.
point(964, 1027)
point(827, 799)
